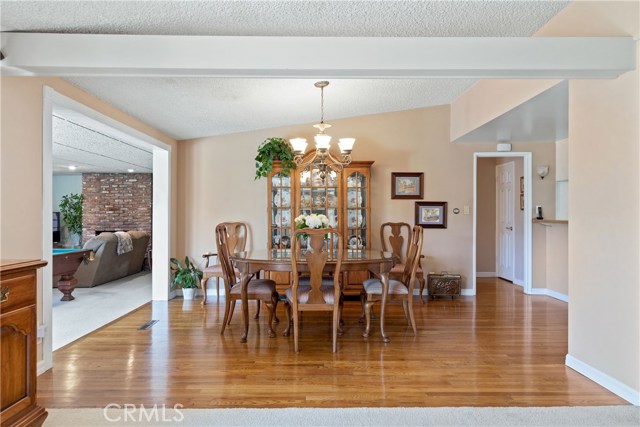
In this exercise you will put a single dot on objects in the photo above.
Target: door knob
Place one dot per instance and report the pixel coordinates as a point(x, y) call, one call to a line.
point(509, 228)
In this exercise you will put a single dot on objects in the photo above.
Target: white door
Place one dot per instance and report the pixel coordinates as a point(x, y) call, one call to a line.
point(504, 220)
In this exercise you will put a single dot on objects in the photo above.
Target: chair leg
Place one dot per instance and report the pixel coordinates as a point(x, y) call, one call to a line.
point(227, 310)
point(411, 317)
point(336, 321)
point(274, 300)
point(421, 280)
point(287, 309)
point(217, 289)
point(257, 311)
point(271, 308)
point(406, 310)
point(203, 286)
point(363, 297)
point(296, 328)
point(367, 313)
point(233, 307)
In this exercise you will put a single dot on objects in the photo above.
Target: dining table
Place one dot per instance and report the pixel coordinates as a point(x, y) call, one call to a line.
point(250, 263)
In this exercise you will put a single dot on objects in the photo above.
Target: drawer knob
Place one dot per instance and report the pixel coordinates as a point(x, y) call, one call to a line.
point(4, 294)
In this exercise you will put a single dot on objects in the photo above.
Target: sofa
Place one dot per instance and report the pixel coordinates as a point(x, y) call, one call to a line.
point(108, 265)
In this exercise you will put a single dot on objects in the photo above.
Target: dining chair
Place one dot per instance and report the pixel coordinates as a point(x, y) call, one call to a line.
point(237, 235)
point(315, 292)
point(257, 289)
point(398, 289)
point(393, 240)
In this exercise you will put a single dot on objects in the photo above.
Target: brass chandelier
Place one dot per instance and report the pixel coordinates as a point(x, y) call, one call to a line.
point(323, 145)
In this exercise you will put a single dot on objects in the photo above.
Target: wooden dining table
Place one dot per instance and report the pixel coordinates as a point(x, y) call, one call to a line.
point(252, 262)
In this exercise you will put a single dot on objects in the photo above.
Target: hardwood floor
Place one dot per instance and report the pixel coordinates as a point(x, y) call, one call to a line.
point(501, 348)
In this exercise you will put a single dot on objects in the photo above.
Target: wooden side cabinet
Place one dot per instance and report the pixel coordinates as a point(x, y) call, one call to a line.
point(18, 345)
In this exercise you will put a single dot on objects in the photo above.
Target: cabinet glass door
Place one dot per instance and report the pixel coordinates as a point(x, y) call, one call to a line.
point(318, 196)
point(357, 205)
point(281, 211)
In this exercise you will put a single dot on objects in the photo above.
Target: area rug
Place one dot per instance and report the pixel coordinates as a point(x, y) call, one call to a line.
point(160, 416)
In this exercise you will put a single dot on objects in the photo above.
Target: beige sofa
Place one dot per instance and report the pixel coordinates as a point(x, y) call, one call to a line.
point(108, 265)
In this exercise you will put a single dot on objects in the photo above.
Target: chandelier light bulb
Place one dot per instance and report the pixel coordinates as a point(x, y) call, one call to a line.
point(346, 145)
point(299, 145)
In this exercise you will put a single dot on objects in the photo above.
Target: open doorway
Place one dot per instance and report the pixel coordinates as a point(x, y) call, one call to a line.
point(502, 217)
point(56, 106)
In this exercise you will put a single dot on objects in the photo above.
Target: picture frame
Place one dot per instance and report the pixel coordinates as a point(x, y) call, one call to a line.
point(407, 185)
point(431, 214)
point(522, 185)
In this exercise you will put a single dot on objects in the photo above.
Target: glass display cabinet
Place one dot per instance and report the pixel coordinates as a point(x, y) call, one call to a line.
point(344, 197)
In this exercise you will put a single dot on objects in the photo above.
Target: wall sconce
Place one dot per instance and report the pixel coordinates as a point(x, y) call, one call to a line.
point(542, 171)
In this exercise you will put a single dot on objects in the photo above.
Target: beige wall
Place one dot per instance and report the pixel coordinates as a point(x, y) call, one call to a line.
point(604, 208)
point(21, 102)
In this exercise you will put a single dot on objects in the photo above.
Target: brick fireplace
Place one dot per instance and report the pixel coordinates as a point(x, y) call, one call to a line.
point(116, 201)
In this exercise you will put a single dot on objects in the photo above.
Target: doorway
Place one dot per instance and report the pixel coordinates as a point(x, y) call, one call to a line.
point(523, 231)
point(56, 102)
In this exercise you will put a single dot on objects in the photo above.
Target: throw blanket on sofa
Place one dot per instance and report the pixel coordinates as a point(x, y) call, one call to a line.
point(124, 242)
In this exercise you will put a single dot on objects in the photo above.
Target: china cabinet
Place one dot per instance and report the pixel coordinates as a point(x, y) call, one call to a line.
point(344, 197)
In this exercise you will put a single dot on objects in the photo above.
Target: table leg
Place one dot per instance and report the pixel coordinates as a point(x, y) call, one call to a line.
point(384, 279)
point(244, 279)
point(67, 285)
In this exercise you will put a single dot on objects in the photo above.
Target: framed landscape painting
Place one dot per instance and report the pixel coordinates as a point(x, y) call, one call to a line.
point(431, 214)
point(407, 185)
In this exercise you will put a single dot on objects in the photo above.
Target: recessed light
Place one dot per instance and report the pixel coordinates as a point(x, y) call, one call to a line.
point(72, 168)
point(130, 170)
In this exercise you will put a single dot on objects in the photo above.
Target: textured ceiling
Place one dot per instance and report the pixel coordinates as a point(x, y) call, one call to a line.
point(193, 107)
point(91, 151)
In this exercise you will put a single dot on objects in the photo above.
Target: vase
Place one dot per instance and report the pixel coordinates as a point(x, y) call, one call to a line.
point(74, 240)
point(187, 293)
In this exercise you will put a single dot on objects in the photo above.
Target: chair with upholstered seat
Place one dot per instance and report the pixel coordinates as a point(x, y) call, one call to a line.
point(315, 292)
point(237, 235)
point(398, 289)
point(393, 240)
point(257, 289)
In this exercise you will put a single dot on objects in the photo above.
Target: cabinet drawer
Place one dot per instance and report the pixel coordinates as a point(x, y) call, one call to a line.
point(21, 291)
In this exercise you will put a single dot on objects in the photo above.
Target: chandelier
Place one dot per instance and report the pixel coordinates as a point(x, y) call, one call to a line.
point(322, 159)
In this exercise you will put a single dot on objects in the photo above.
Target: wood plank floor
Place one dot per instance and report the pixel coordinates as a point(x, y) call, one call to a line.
point(501, 348)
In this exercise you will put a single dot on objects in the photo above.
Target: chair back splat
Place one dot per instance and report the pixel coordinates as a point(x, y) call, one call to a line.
point(317, 292)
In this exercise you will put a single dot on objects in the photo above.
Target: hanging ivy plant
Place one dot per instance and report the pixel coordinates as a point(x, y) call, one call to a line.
point(274, 149)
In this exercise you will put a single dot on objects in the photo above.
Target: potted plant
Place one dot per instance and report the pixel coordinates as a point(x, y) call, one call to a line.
point(185, 276)
point(274, 149)
point(71, 209)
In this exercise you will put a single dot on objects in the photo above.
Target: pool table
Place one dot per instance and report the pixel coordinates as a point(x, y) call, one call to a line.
point(65, 264)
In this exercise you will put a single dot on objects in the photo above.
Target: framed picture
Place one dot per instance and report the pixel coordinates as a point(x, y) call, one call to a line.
point(522, 185)
point(431, 214)
point(407, 185)
point(521, 202)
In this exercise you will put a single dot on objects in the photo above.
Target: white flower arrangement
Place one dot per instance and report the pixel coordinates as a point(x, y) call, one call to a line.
point(312, 221)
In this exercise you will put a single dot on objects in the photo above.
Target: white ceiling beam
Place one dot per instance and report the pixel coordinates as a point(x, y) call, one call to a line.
point(317, 57)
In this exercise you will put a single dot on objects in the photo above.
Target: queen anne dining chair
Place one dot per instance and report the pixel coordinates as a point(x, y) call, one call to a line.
point(257, 289)
point(237, 236)
point(392, 236)
point(315, 292)
point(398, 289)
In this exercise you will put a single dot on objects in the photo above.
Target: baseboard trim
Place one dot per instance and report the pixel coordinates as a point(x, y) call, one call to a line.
point(486, 274)
point(518, 282)
point(41, 368)
point(624, 391)
point(468, 292)
point(550, 293)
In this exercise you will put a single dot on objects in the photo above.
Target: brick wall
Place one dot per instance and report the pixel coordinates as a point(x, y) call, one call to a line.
point(116, 201)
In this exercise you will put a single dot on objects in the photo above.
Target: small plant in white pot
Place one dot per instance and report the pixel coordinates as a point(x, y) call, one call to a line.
point(185, 276)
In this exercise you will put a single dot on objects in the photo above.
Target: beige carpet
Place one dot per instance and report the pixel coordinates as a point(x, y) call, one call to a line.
point(150, 416)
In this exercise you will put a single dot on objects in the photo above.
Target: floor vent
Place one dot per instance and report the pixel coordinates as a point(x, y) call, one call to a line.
point(147, 325)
